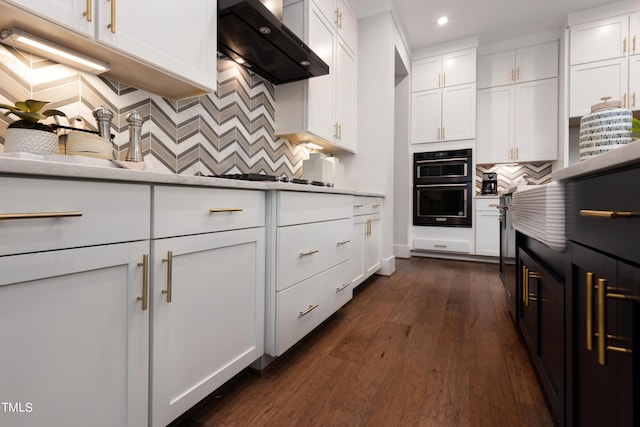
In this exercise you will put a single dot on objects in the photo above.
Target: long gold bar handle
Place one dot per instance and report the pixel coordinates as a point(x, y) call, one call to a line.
point(517, 154)
point(169, 290)
point(602, 326)
point(517, 73)
point(89, 12)
point(339, 130)
point(443, 133)
point(444, 80)
point(513, 75)
point(589, 311)
point(533, 275)
point(221, 210)
point(343, 287)
point(358, 206)
point(624, 46)
point(377, 205)
point(608, 214)
point(634, 44)
point(633, 100)
point(39, 215)
point(525, 285)
point(112, 25)
point(307, 253)
point(308, 310)
point(624, 100)
point(439, 80)
point(343, 242)
point(145, 282)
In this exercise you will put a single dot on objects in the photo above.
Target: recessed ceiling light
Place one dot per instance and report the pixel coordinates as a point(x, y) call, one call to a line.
point(443, 20)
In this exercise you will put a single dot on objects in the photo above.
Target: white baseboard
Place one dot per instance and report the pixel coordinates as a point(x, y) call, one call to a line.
point(402, 251)
point(460, 257)
point(387, 266)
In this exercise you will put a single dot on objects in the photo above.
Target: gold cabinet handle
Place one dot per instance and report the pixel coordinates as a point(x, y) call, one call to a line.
point(39, 215)
point(145, 282)
point(308, 310)
point(88, 13)
point(112, 25)
point(624, 46)
point(633, 100)
point(222, 210)
point(634, 44)
point(335, 130)
point(608, 214)
point(440, 246)
point(532, 275)
point(358, 206)
point(169, 290)
point(525, 285)
point(343, 242)
point(589, 310)
point(439, 80)
point(493, 205)
point(443, 135)
point(377, 205)
point(518, 74)
point(343, 287)
point(444, 79)
point(513, 75)
point(307, 253)
point(602, 326)
point(624, 101)
point(339, 130)
point(517, 154)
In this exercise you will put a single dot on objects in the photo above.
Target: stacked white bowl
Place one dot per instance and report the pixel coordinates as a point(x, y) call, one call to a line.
point(605, 129)
point(88, 145)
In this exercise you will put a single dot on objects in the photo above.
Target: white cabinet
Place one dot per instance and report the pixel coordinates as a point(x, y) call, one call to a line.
point(518, 122)
point(443, 99)
point(207, 295)
point(313, 245)
point(142, 34)
point(525, 64)
point(322, 109)
point(604, 56)
point(74, 302)
point(487, 226)
point(367, 214)
point(451, 69)
point(443, 114)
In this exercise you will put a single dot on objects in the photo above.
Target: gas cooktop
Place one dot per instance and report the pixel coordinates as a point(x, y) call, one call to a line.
point(271, 178)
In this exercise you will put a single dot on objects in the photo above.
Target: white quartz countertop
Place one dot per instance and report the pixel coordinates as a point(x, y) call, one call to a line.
point(95, 169)
point(620, 157)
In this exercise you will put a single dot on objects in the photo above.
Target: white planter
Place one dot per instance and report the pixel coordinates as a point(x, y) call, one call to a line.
point(30, 141)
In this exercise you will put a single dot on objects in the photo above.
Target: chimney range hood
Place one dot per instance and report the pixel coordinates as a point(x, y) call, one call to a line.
point(251, 35)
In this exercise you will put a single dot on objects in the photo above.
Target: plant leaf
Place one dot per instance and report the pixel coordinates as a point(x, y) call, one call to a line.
point(35, 106)
point(50, 113)
point(22, 106)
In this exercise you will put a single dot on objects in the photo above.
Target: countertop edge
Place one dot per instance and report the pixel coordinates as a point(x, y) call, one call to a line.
point(615, 159)
point(45, 168)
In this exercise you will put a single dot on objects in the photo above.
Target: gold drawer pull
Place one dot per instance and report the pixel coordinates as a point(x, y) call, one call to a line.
point(343, 287)
point(358, 206)
point(343, 242)
point(608, 214)
point(602, 326)
point(222, 210)
point(525, 285)
point(307, 253)
point(377, 205)
point(169, 290)
point(589, 311)
point(308, 310)
point(492, 205)
point(145, 282)
point(89, 12)
point(37, 215)
point(112, 25)
point(440, 246)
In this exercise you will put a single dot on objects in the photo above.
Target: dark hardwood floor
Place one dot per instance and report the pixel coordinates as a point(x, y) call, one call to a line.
point(433, 345)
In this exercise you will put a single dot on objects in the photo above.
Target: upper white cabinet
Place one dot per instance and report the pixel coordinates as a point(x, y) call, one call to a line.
point(518, 123)
point(440, 71)
point(443, 99)
point(322, 109)
point(603, 56)
point(142, 34)
point(517, 66)
point(518, 105)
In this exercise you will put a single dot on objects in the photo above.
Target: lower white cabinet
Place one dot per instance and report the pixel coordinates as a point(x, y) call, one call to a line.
point(310, 267)
point(487, 226)
point(207, 300)
point(75, 337)
point(366, 238)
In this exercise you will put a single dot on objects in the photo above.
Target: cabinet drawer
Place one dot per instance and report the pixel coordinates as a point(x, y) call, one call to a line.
point(366, 205)
point(106, 213)
point(488, 204)
point(308, 249)
point(301, 308)
point(192, 210)
point(597, 197)
point(302, 208)
point(442, 245)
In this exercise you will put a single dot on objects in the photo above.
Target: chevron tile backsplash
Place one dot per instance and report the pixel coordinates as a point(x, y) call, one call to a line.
point(509, 176)
point(229, 131)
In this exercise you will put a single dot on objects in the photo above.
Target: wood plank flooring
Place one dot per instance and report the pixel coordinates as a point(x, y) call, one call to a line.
point(433, 345)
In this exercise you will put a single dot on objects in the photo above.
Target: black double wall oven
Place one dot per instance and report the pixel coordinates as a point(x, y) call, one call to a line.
point(442, 188)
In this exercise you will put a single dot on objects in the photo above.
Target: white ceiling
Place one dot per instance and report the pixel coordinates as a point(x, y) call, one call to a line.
point(490, 20)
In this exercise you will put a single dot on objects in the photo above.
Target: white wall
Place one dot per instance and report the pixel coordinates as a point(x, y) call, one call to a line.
point(402, 189)
point(372, 169)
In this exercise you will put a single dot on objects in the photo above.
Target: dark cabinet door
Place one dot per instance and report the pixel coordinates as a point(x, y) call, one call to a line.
point(603, 386)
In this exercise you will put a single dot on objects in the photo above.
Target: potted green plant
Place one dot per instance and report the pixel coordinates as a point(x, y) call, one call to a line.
point(27, 134)
point(635, 128)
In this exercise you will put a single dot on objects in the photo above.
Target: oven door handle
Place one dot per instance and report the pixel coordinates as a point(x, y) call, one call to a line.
point(441, 185)
point(449, 160)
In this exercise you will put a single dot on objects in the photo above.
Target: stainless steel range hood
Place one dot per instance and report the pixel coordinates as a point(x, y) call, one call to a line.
point(251, 35)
